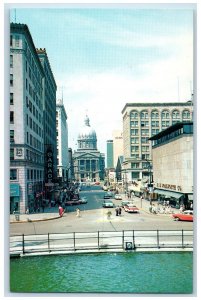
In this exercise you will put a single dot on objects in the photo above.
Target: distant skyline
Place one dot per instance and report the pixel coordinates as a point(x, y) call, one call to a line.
point(103, 58)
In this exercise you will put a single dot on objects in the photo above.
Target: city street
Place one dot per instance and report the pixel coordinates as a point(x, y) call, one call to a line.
point(93, 218)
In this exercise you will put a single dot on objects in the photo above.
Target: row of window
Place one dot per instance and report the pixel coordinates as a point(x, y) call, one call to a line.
point(136, 165)
point(136, 149)
point(30, 156)
point(165, 114)
point(31, 174)
point(34, 126)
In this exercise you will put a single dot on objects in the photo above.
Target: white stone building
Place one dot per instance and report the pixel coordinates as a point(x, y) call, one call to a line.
point(140, 122)
point(62, 142)
point(172, 151)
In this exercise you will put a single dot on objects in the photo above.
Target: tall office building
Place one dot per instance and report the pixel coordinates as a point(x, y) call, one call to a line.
point(62, 142)
point(110, 160)
point(140, 122)
point(26, 121)
point(117, 136)
point(49, 119)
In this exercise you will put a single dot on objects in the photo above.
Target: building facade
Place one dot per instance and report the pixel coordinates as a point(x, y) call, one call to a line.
point(140, 122)
point(89, 163)
point(172, 151)
point(62, 142)
point(49, 120)
point(110, 160)
point(26, 121)
point(117, 136)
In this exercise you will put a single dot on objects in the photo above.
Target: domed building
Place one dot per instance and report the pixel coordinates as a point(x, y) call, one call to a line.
point(89, 163)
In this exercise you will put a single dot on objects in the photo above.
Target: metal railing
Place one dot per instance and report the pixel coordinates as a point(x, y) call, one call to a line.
point(126, 240)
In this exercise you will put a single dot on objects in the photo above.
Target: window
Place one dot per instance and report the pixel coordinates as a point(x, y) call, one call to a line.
point(186, 115)
point(11, 61)
point(155, 123)
point(17, 41)
point(135, 165)
point(134, 123)
point(12, 117)
point(165, 124)
point(13, 174)
point(175, 115)
point(134, 115)
point(145, 132)
point(11, 40)
point(11, 79)
point(145, 124)
point(11, 99)
point(135, 140)
point(165, 114)
point(11, 153)
point(145, 140)
point(155, 114)
point(144, 114)
point(145, 148)
point(11, 136)
point(134, 132)
point(154, 131)
point(134, 149)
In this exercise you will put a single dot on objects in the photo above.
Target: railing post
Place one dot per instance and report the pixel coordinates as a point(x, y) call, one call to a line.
point(182, 238)
point(23, 246)
point(123, 239)
point(133, 240)
point(158, 239)
point(48, 241)
point(74, 240)
point(98, 241)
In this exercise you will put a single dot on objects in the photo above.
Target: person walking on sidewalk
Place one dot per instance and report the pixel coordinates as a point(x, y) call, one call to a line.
point(117, 211)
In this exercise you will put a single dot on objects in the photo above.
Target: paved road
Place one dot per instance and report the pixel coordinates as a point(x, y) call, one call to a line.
point(94, 218)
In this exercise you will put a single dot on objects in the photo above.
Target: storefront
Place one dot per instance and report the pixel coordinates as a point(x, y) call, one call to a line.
point(175, 199)
point(14, 197)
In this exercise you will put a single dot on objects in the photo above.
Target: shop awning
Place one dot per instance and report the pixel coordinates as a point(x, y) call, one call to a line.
point(168, 193)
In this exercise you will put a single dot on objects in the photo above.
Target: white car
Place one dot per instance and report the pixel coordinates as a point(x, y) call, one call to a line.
point(118, 197)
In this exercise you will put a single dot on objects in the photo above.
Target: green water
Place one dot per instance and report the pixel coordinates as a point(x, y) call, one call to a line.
point(161, 273)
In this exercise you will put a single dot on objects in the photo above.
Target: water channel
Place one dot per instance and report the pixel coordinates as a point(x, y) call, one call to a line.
point(136, 273)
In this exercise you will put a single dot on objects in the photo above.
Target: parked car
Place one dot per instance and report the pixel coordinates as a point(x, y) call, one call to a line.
point(130, 208)
point(108, 204)
point(118, 197)
point(187, 215)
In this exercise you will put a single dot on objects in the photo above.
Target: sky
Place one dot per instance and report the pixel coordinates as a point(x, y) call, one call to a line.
point(103, 58)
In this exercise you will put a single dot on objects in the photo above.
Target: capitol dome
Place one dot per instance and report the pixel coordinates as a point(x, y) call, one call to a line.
point(87, 136)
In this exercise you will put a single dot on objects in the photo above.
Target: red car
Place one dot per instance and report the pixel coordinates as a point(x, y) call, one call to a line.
point(131, 208)
point(187, 215)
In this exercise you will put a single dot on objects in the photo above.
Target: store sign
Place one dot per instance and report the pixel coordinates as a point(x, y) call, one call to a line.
point(14, 190)
point(49, 166)
point(169, 186)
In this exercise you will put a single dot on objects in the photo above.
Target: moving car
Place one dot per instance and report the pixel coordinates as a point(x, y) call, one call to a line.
point(125, 202)
point(108, 195)
point(130, 208)
point(187, 215)
point(83, 200)
point(118, 197)
point(108, 204)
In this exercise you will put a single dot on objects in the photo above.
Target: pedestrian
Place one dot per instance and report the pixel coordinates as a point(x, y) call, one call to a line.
point(117, 211)
point(61, 211)
point(150, 208)
point(27, 210)
point(77, 212)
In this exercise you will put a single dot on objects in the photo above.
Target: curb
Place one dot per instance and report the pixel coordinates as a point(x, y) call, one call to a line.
point(36, 220)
